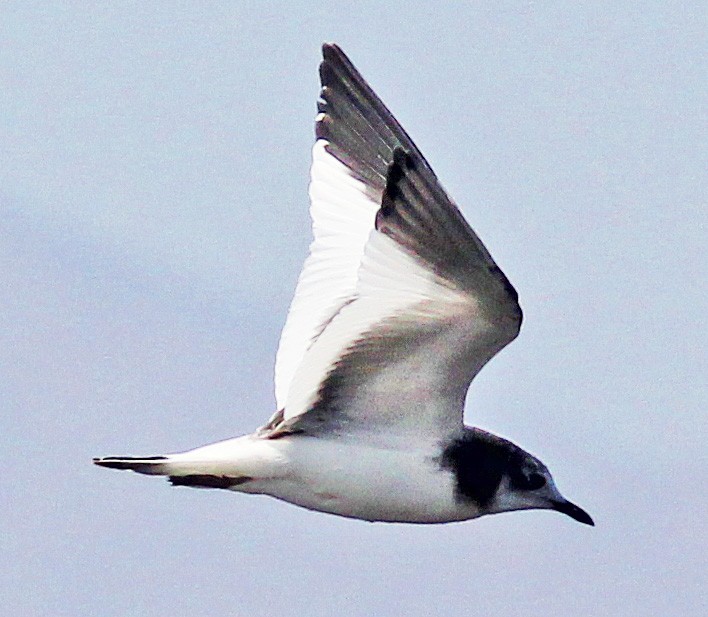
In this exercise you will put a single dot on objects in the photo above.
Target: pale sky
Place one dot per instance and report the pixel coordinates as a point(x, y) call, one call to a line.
point(153, 219)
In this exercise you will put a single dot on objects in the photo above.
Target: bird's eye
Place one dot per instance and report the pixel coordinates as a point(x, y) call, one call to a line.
point(534, 481)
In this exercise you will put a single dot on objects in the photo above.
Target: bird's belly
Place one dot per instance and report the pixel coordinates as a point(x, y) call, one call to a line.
point(365, 482)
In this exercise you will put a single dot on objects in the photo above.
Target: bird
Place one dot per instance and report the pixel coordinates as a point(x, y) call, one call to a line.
point(398, 307)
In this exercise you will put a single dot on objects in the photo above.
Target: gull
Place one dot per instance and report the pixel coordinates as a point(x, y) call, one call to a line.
point(398, 307)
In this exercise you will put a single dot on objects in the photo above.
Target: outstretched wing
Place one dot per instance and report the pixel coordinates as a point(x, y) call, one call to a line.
point(399, 304)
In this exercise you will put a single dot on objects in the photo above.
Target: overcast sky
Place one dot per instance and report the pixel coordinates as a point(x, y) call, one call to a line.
point(153, 219)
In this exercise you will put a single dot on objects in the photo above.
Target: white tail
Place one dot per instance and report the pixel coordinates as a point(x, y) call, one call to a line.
point(225, 464)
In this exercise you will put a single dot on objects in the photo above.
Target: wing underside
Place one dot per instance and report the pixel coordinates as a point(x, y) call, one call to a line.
point(399, 304)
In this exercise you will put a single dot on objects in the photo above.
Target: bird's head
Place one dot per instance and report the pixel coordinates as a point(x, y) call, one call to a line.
point(528, 485)
point(495, 475)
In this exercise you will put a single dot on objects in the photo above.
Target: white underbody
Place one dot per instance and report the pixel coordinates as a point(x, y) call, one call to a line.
point(338, 476)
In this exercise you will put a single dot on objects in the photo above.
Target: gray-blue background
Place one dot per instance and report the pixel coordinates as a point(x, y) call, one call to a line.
point(153, 219)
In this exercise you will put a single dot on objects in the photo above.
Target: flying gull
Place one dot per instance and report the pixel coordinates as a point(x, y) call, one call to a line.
point(398, 307)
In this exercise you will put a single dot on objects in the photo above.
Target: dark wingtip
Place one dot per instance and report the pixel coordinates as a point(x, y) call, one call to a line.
point(334, 58)
point(330, 49)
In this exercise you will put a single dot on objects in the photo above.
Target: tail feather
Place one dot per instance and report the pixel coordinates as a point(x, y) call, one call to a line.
point(225, 464)
point(151, 465)
point(197, 474)
point(208, 481)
